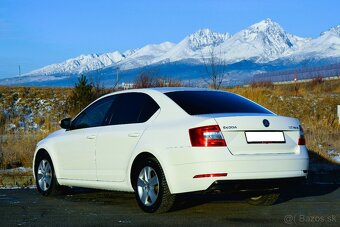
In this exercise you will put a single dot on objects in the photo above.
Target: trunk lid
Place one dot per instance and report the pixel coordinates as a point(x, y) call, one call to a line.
point(260, 134)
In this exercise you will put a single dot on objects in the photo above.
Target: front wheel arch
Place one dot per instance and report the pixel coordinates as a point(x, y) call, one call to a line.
point(54, 187)
point(41, 152)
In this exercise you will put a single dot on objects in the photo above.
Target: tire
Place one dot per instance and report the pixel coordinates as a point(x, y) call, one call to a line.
point(151, 189)
point(45, 178)
point(264, 200)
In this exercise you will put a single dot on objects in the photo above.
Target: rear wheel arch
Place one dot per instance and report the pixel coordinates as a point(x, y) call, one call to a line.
point(137, 160)
point(150, 185)
point(135, 165)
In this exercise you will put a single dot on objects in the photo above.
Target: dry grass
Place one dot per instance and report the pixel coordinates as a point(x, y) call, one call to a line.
point(313, 103)
point(46, 105)
point(17, 150)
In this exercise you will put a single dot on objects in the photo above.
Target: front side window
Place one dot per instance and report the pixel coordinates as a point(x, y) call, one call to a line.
point(95, 115)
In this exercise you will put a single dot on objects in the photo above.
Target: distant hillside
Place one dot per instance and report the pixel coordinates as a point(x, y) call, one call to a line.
point(262, 47)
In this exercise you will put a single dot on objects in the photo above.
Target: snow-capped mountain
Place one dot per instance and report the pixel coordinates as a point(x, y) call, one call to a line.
point(264, 41)
point(81, 64)
point(327, 45)
point(205, 37)
point(194, 46)
point(260, 43)
point(144, 56)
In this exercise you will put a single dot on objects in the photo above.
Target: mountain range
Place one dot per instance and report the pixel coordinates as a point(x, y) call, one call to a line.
point(263, 46)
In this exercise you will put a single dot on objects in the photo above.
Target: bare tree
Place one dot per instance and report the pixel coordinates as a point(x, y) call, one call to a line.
point(151, 78)
point(167, 82)
point(215, 69)
point(145, 79)
point(98, 86)
point(115, 83)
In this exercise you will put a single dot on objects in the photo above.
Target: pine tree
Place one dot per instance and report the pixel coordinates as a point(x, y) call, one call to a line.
point(82, 94)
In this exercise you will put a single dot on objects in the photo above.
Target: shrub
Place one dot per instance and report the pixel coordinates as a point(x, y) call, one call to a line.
point(317, 80)
point(268, 84)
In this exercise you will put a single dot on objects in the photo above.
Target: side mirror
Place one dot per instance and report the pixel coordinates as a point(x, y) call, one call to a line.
point(65, 123)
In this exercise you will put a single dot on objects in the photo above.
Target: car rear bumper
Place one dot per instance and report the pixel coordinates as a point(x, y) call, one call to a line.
point(181, 172)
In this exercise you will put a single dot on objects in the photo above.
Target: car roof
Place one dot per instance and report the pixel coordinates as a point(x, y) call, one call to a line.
point(172, 89)
point(159, 90)
point(165, 89)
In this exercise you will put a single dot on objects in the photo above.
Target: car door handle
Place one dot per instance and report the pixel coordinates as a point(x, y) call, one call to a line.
point(91, 137)
point(134, 134)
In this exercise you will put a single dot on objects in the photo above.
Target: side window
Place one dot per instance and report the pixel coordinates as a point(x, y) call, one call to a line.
point(150, 107)
point(133, 108)
point(95, 115)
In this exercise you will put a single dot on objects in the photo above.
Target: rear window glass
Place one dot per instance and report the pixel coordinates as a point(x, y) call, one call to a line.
point(210, 102)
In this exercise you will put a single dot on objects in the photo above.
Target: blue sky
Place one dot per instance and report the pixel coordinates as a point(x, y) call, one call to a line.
point(35, 33)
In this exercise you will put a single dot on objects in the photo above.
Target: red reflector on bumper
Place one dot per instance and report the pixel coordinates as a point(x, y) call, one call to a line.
point(211, 175)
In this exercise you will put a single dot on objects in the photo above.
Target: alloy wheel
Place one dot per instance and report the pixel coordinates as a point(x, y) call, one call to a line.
point(148, 186)
point(44, 175)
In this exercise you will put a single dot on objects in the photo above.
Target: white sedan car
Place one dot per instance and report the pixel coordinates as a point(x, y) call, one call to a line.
point(160, 142)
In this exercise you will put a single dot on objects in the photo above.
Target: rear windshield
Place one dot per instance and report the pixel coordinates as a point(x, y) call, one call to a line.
point(210, 102)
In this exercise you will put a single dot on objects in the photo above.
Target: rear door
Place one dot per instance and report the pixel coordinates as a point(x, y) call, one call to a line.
point(130, 117)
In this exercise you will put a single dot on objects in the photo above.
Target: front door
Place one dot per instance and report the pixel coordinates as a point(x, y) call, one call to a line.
point(76, 148)
point(76, 154)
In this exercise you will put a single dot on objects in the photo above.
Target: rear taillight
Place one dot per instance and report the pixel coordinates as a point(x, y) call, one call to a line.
point(207, 136)
point(301, 140)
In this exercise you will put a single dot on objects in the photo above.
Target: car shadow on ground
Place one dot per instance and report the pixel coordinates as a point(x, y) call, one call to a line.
point(322, 170)
point(307, 190)
point(186, 201)
point(323, 178)
point(191, 200)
